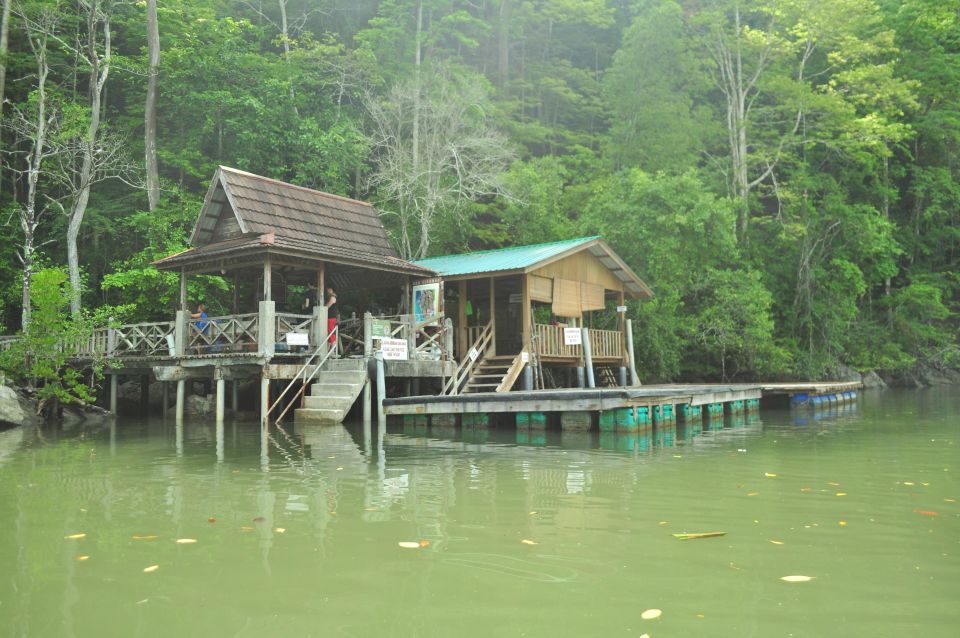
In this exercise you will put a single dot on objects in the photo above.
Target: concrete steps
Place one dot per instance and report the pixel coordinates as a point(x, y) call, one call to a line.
point(332, 394)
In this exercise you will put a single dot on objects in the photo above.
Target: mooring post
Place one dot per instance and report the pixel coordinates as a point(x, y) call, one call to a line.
point(181, 400)
point(527, 378)
point(221, 395)
point(113, 393)
point(588, 357)
point(381, 390)
point(634, 379)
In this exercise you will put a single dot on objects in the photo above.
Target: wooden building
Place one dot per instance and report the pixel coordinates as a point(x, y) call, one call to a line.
point(516, 305)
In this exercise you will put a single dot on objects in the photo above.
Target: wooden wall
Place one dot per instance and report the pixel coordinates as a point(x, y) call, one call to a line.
point(583, 267)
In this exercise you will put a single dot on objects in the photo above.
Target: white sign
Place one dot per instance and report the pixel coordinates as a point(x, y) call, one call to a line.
point(393, 349)
point(621, 308)
point(298, 339)
point(525, 357)
point(473, 354)
point(572, 337)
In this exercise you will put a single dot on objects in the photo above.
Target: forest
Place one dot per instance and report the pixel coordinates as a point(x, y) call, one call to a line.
point(781, 172)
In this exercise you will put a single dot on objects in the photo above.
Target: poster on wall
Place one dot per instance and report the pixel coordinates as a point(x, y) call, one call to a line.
point(426, 302)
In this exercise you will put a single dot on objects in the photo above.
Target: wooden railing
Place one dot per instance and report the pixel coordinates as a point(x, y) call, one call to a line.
point(229, 333)
point(513, 372)
point(475, 353)
point(287, 323)
point(605, 344)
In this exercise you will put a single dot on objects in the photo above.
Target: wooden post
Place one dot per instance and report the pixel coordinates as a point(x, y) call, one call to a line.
point(183, 289)
point(493, 317)
point(525, 319)
point(221, 395)
point(236, 293)
point(462, 332)
point(319, 334)
point(447, 339)
point(634, 379)
point(409, 322)
point(181, 400)
point(267, 328)
point(587, 357)
point(321, 283)
point(267, 279)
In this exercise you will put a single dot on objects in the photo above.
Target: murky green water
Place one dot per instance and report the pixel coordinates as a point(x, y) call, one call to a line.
point(305, 542)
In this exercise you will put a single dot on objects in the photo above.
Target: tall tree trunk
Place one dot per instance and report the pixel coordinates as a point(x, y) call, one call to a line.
point(4, 45)
point(285, 36)
point(416, 95)
point(150, 108)
point(99, 70)
point(503, 44)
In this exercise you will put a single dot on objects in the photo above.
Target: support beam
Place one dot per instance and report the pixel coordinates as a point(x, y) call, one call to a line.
point(462, 344)
point(267, 325)
point(493, 317)
point(183, 289)
point(634, 379)
point(526, 323)
point(381, 391)
point(267, 279)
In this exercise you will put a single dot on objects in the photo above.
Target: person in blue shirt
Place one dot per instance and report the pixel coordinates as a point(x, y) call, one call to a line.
point(200, 314)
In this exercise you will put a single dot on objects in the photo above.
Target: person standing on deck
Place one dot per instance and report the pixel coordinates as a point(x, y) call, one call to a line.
point(333, 313)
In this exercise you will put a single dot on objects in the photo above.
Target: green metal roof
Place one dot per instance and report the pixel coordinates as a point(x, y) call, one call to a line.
point(513, 258)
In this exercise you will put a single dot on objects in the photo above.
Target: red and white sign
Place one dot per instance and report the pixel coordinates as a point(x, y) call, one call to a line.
point(572, 337)
point(394, 349)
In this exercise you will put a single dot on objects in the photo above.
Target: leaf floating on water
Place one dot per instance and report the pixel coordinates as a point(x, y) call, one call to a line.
point(910, 483)
point(843, 523)
point(527, 541)
point(927, 513)
point(409, 544)
point(664, 522)
point(258, 519)
point(694, 536)
point(211, 520)
point(841, 493)
point(280, 530)
point(152, 568)
point(777, 542)
point(186, 541)
point(246, 528)
point(424, 543)
point(75, 537)
point(769, 475)
point(148, 537)
point(83, 558)
point(806, 489)
point(753, 493)
point(949, 500)
point(797, 579)
point(701, 616)
point(651, 614)
point(834, 484)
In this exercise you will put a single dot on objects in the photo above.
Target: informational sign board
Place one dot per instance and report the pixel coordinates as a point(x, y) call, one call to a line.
point(621, 308)
point(525, 357)
point(380, 328)
point(393, 349)
point(474, 354)
point(572, 337)
point(298, 339)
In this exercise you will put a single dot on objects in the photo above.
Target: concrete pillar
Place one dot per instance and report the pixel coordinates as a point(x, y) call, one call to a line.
point(381, 391)
point(318, 334)
point(235, 398)
point(367, 392)
point(634, 379)
point(267, 328)
point(264, 398)
point(221, 396)
point(588, 357)
point(580, 377)
point(181, 400)
point(113, 393)
point(181, 333)
point(166, 397)
point(623, 376)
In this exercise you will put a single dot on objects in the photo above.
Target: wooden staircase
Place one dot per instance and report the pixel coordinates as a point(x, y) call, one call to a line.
point(495, 374)
point(331, 396)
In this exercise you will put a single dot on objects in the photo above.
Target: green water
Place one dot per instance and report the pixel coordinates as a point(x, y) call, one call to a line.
point(600, 510)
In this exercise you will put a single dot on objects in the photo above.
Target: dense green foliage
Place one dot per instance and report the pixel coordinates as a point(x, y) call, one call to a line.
point(781, 172)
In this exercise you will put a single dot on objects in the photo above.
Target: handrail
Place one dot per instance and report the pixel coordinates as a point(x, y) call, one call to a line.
point(510, 376)
point(466, 366)
point(306, 379)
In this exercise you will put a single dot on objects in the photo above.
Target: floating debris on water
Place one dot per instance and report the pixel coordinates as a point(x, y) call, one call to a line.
point(694, 536)
point(651, 614)
point(797, 579)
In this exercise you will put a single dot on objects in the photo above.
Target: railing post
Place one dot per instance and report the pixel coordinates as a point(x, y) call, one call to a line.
point(111, 342)
point(267, 328)
point(180, 332)
point(587, 357)
point(409, 321)
point(319, 334)
point(367, 335)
